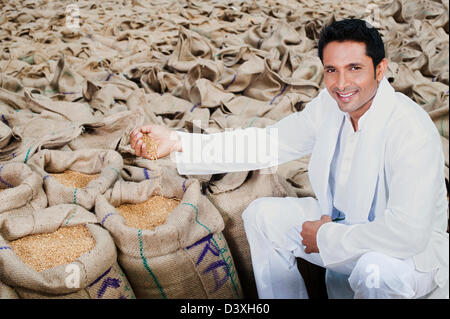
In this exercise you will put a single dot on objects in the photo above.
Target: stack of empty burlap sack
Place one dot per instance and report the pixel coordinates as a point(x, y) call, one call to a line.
point(81, 216)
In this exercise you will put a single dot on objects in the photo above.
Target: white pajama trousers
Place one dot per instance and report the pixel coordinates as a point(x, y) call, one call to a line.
point(273, 227)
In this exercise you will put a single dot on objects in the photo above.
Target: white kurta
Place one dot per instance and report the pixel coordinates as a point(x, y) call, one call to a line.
point(388, 179)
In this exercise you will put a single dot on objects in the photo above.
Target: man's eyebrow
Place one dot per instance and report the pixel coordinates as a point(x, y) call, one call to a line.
point(355, 64)
point(348, 65)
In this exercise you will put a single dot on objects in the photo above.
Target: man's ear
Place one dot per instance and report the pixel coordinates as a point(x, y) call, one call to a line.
point(381, 69)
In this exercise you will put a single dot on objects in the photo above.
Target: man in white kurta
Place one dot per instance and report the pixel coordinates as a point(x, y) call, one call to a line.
point(381, 182)
point(390, 187)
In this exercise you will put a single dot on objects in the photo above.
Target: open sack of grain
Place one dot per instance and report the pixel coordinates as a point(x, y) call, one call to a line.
point(21, 189)
point(60, 252)
point(231, 195)
point(169, 239)
point(77, 176)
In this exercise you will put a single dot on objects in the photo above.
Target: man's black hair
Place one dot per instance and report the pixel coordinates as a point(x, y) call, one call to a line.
point(354, 30)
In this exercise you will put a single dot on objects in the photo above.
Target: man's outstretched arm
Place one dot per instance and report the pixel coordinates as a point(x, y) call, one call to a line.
point(237, 150)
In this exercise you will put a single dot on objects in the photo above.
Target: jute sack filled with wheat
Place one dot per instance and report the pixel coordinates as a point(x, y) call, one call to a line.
point(60, 252)
point(231, 195)
point(77, 176)
point(170, 241)
point(21, 189)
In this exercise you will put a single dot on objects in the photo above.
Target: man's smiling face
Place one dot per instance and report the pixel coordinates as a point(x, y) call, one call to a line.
point(349, 76)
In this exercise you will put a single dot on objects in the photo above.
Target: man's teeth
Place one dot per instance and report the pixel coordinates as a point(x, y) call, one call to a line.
point(346, 95)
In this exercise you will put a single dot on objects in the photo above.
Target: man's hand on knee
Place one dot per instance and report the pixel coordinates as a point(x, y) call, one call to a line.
point(309, 233)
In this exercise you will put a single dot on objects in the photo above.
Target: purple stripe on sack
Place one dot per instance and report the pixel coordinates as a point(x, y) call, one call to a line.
point(5, 120)
point(99, 278)
point(282, 91)
point(4, 247)
point(232, 81)
point(217, 280)
point(146, 173)
point(109, 282)
point(259, 43)
point(184, 185)
point(3, 181)
point(106, 216)
point(109, 76)
point(45, 177)
point(13, 155)
point(195, 106)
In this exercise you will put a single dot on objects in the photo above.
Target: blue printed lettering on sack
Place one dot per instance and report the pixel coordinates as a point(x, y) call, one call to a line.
point(218, 268)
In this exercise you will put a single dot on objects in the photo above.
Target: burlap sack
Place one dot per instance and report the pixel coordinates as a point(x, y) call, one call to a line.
point(206, 69)
point(224, 121)
point(270, 86)
point(296, 175)
point(204, 93)
point(21, 189)
point(137, 169)
point(13, 99)
point(100, 277)
point(231, 195)
point(242, 66)
point(6, 135)
point(33, 132)
point(10, 83)
point(7, 292)
point(191, 49)
point(66, 81)
point(248, 107)
point(111, 132)
point(137, 100)
point(187, 257)
point(440, 118)
point(154, 79)
point(107, 163)
point(173, 111)
point(108, 94)
point(72, 111)
point(273, 34)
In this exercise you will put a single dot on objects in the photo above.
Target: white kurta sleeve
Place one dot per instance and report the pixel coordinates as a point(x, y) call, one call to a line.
point(250, 148)
point(414, 175)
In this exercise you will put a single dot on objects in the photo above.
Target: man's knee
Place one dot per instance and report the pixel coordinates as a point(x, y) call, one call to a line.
point(376, 275)
point(260, 210)
point(263, 217)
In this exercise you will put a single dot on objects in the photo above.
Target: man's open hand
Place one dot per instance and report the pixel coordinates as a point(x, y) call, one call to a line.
point(309, 233)
point(168, 141)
